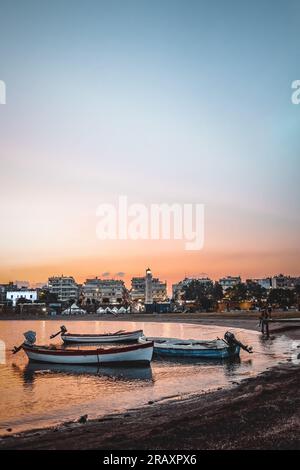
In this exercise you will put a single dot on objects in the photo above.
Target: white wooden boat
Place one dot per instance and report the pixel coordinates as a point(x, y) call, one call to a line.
point(210, 349)
point(137, 354)
point(117, 337)
point(133, 354)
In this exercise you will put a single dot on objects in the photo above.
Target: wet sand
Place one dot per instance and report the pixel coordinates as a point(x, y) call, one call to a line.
point(259, 413)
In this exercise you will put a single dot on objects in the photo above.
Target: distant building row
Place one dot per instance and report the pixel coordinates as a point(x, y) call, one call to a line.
point(276, 282)
point(144, 290)
point(106, 291)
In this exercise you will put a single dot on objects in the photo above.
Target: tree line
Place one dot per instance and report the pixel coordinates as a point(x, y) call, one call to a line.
point(206, 295)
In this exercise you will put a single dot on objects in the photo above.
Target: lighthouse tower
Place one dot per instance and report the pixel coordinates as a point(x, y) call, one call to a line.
point(148, 287)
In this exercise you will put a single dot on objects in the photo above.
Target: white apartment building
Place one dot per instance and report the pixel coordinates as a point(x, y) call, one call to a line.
point(27, 294)
point(138, 288)
point(64, 287)
point(285, 282)
point(148, 288)
point(107, 291)
point(229, 281)
point(264, 282)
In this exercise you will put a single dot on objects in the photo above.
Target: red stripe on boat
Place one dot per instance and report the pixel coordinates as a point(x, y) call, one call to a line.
point(86, 352)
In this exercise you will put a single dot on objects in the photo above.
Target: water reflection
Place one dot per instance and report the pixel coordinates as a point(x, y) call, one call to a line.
point(194, 361)
point(229, 365)
point(2, 352)
point(32, 370)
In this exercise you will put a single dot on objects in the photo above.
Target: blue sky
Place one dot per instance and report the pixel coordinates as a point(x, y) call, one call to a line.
point(164, 101)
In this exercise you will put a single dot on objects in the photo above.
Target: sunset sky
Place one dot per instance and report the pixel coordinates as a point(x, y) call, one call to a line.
point(164, 102)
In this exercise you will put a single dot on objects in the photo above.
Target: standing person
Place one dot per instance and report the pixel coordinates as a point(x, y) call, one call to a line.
point(270, 311)
point(264, 323)
point(267, 317)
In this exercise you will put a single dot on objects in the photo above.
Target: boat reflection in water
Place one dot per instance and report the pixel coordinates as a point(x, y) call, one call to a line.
point(232, 367)
point(33, 369)
point(230, 362)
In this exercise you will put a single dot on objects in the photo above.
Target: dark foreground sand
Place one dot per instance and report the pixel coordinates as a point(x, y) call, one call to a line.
point(259, 413)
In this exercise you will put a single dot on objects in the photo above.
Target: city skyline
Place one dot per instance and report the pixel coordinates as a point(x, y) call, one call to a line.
point(24, 284)
point(162, 103)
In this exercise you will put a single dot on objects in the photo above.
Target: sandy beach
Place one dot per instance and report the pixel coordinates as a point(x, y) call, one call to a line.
point(259, 413)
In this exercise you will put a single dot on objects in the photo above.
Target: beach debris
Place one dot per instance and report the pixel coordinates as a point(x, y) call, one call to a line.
point(83, 419)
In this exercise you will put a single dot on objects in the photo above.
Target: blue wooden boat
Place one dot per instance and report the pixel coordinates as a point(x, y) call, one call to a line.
point(214, 349)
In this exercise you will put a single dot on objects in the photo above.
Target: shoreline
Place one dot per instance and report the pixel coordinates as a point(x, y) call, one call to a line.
point(248, 321)
point(262, 412)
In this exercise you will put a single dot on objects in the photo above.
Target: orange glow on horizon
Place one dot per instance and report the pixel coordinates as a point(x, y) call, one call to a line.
point(168, 266)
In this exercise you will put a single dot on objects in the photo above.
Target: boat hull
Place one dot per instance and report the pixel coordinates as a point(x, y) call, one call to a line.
point(200, 353)
point(108, 338)
point(175, 347)
point(136, 354)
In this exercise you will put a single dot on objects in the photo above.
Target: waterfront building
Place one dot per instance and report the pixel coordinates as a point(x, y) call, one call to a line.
point(26, 294)
point(4, 288)
point(148, 289)
point(285, 282)
point(91, 288)
point(229, 281)
point(2, 293)
point(106, 291)
point(137, 292)
point(177, 289)
point(263, 282)
point(64, 287)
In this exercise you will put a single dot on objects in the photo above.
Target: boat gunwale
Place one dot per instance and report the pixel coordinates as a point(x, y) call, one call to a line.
point(208, 350)
point(85, 352)
point(185, 345)
point(104, 335)
point(225, 353)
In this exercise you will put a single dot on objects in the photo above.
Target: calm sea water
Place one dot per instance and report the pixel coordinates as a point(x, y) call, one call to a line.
point(38, 395)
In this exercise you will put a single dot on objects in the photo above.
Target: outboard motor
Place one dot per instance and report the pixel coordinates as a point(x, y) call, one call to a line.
point(232, 341)
point(230, 338)
point(62, 331)
point(30, 337)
